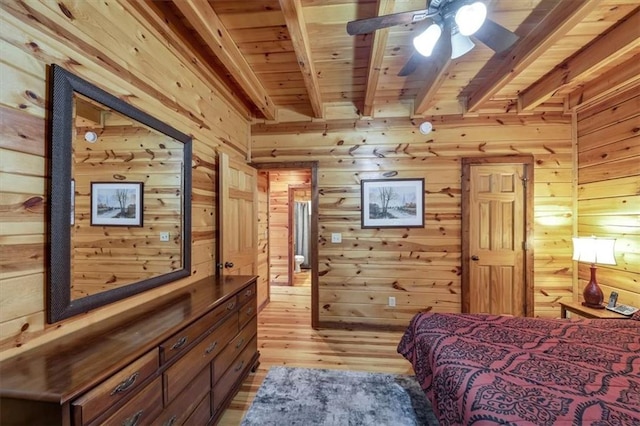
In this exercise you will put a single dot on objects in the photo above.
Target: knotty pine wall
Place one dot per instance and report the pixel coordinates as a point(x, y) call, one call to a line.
point(609, 190)
point(263, 237)
point(421, 267)
point(135, 63)
point(279, 183)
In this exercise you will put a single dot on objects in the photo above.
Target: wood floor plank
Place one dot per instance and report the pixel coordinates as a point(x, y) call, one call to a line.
point(285, 338)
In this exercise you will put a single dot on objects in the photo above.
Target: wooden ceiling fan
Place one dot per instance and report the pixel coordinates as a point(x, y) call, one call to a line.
point(445, 28)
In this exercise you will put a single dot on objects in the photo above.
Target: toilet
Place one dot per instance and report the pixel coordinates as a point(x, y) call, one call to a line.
point(298, 261)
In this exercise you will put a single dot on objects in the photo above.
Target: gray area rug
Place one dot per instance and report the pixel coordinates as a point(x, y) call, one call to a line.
point(302, 396)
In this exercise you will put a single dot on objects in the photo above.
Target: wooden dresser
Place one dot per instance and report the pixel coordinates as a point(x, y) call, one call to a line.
point(178, 359)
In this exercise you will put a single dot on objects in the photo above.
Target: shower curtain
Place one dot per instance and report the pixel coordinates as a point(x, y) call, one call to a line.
point(302, 229)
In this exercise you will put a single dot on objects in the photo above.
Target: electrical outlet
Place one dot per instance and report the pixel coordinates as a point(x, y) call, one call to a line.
point(392, 301)
point(336, 238)
point(164, 236)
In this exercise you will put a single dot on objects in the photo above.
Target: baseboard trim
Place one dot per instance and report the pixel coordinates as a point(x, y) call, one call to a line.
point(360, 326)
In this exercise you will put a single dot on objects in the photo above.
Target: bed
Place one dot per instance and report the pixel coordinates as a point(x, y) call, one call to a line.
point(486, 369)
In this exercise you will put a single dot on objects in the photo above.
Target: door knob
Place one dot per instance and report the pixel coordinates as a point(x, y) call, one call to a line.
point(228, 264)
point(474, 257)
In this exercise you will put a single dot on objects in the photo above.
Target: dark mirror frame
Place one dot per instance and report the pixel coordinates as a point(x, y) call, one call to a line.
point(62, 88)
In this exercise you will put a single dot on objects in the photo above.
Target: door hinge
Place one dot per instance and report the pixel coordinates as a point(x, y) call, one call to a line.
point(525, 245)
point(524, 181)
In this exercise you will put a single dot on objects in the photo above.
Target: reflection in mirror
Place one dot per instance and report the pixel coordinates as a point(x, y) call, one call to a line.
point(111, 149)
point(120, 199)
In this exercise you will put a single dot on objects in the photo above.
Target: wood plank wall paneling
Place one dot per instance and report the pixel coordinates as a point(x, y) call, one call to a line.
point(135, 63)
point(421, 267)
point(263, 238)
point(279, 182)
point(609, 190)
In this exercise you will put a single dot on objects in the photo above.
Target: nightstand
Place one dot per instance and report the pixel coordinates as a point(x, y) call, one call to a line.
point(578, 309)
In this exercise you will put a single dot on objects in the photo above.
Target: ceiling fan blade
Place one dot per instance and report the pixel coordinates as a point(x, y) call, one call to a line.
point(368, 25)
point(411, 65)
point(495, 36)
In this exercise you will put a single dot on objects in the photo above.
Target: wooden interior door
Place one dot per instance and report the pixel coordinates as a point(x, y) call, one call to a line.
point(495, 235)
point(237, 217)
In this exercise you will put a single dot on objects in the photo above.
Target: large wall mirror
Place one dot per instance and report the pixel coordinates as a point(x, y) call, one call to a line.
point(120, 199)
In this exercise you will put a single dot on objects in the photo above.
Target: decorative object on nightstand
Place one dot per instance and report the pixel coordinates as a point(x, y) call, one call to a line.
point(594, 251)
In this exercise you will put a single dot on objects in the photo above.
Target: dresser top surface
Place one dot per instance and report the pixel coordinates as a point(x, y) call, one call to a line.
point(59, 370)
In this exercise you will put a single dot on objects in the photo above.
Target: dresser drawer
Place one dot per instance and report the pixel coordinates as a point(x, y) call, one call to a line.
point(229, 354)
point(180, 374)
point(142, 409)
point(185, 403)
point(225, 384)
point(121, 385)
point(180, 341)
point(247, 294)
point(247, 311)
point(201, 414)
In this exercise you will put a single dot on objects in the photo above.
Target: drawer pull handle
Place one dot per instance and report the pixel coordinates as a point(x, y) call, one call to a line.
point(171, 421)
point(180, 343)
point(211, 347)
point(239, 343)
point(248, 293)
point(249, 311)
point(133, 420)
point(239, 367)
point(230, 306)
point(125, 384)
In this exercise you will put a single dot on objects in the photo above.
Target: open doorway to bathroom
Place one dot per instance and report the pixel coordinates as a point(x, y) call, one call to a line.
point(288, 223)
point(299, 228)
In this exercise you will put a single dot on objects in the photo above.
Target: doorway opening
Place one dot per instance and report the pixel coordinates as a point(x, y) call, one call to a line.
point(291, 187)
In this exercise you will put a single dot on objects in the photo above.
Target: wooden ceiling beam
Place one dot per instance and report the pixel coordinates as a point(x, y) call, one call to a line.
point(208, 25)
point(606, 50)
point(440, 60)
point(294, 18)
point(378, 46)
point(619, 78)
point(146, 11)
point(565, 16)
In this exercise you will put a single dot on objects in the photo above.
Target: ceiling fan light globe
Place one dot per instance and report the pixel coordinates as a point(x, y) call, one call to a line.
point(425, 42)
point(460, 45)
point(470, 17)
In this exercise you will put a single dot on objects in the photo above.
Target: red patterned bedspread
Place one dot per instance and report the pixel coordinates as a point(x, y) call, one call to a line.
point(486, 369)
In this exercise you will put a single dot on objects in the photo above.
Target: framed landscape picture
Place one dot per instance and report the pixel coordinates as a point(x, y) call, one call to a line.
point(392, 203)
point(116, 204)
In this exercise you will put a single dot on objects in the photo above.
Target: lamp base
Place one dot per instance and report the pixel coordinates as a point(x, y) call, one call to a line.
point(588, 305)
point(592, 294)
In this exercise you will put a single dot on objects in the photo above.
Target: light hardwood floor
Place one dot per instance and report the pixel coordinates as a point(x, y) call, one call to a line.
point(285, 337)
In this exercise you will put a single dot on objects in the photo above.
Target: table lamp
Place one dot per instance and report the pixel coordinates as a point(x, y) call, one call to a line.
point(594, 251)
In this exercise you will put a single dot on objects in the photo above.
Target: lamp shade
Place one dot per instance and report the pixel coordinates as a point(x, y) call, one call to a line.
point(594, 250)
point(470, 17)
point(460, 45)
point(425, 42)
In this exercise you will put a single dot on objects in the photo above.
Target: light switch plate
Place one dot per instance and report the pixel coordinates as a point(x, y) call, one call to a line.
point(336, 237)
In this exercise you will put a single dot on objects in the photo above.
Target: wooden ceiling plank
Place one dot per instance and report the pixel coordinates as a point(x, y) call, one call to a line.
point(294, 18)
point(565, 16)
point(189, 58)
point(207, 24)
point(378, 48)
point(605, 50)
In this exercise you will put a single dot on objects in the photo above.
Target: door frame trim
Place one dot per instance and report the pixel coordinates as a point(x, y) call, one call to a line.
point(528, 162)
point(315, 198)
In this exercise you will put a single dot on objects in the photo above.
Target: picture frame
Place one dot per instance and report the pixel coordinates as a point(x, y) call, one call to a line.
point(392, 203)
point(116, 203)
